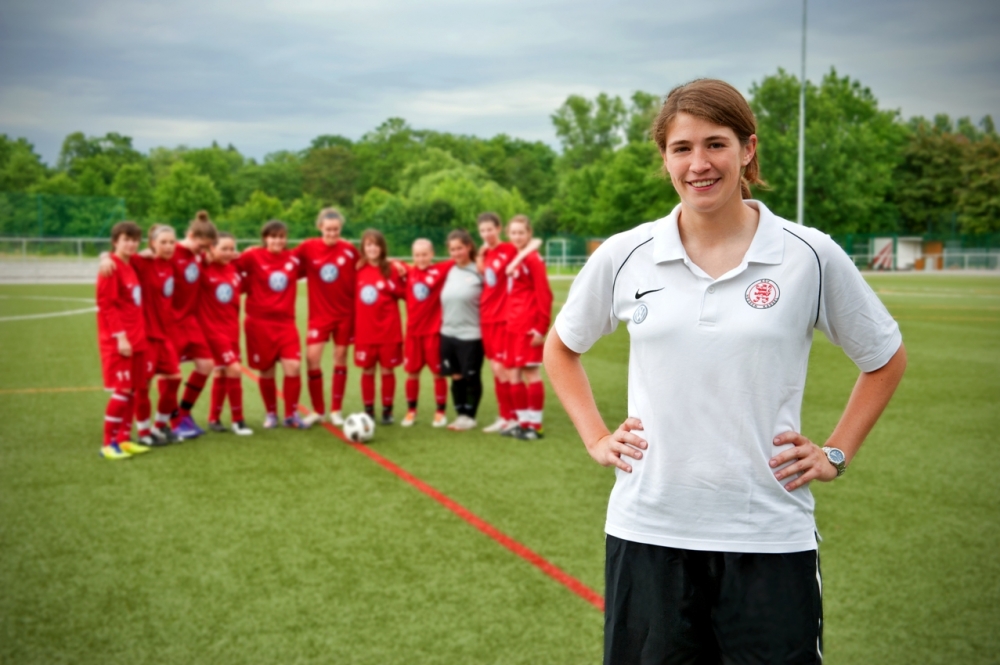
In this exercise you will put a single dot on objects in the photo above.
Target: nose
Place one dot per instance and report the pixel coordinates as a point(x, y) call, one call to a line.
point(699, 160)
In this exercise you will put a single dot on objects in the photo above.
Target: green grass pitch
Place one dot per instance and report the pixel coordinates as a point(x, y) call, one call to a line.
point(290, 547)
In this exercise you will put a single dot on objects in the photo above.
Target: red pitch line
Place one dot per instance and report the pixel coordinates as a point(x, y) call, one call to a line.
point(521, 550)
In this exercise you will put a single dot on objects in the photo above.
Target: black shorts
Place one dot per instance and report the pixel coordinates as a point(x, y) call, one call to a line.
point(460, 356)
point(672, 606)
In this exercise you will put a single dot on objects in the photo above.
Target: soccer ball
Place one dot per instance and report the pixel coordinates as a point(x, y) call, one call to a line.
point(359, 427)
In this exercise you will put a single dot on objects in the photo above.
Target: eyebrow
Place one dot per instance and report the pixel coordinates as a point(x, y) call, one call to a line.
point(719, 137)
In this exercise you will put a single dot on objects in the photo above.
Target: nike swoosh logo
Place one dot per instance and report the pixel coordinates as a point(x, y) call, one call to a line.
point(639, 295)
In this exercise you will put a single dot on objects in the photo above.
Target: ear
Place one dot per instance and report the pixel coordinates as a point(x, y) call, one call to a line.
point(750, 149)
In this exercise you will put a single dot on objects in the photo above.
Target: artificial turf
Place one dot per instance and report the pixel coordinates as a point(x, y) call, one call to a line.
point(291, 547)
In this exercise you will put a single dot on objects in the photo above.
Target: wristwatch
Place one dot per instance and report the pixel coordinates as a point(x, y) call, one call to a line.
point(837, 458)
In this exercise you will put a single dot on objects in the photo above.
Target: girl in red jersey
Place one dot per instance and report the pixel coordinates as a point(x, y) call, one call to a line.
point(219, 308)
point(271, 273)
point(424, 281)
point(378, 333)
point(330, 266)
point(122, 337)
point(190, 341)
point(156, 274)
point(528, 312)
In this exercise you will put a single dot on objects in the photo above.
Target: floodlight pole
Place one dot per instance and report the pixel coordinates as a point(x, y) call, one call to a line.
point(800, 198)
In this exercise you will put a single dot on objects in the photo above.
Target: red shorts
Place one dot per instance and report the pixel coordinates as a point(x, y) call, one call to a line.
point(191, 342)
point(161, 358)
point(423, 350)
point(386, 355)
point(269, 341)
point(520, 353)
point(225, 352)
point(494, 340)
point(122, 373)
point(341, 331)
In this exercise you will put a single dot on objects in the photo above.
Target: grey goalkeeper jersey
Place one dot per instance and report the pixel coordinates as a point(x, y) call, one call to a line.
point(460, 303)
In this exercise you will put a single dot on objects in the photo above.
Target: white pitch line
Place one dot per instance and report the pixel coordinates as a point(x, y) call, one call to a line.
point(48, 315)
point(8, 297)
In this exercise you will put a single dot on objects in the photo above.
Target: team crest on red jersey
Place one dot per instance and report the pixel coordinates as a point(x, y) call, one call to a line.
point(762, 294)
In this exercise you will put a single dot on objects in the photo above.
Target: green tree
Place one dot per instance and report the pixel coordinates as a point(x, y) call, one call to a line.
point(183, 192)
point(382, 155)
point(979, 199)
point(246, 220)
point(633, 190)
point(929, 176)
point(641, 113)
point(219, 164)
point(20, 165)
point(852, 151)
point(279, 175)
point(133, 183)
point(59, 184)
point(103, 155)
point(91, 181)
point(589, 130)
point(301, 216)
point(330, 173)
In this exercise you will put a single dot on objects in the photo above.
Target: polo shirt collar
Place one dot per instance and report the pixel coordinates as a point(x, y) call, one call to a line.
point(768, 245)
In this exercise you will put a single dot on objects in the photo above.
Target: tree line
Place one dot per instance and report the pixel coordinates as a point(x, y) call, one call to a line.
point(867, 170)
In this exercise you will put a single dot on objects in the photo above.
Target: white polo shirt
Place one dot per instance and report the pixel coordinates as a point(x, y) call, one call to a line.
point(717, 368)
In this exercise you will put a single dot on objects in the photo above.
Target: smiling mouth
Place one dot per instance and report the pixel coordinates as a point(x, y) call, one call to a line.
point(703, 183)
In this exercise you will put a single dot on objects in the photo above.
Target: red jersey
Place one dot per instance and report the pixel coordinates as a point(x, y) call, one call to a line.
point(270, 282)
point(331, 271)
point(119, 306)
point(423, 298)
point(157, 279)
point(219, 303)
point(187, 275)
point(494, 297)
point(529, 297)
point(376, 312)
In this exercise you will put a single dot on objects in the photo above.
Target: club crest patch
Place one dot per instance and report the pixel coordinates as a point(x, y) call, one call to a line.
point(168, 287)
point(369, 294)
point(491, 277)
point(137, 295)
point(191, 273)
point(278, 281)
point(640, 313)
point(420, 291)
point(329, 273)
point(762, 294)
point(224, 293)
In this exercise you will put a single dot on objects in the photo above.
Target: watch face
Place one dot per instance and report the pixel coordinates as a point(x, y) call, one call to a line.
point(835, 455)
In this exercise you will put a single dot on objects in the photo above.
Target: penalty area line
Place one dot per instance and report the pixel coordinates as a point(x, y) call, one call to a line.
point(48, 315)
point(512, 545)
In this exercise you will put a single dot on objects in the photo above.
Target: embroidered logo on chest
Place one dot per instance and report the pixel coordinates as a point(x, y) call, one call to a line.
point(369, 294)
point(762, 294)
point(191, 273)
point(168, 287)
point(278, 281)
point(420, 291)
point(329, 273)
point(224, 293)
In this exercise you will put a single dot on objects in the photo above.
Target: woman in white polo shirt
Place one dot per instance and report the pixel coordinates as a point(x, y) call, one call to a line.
point(711, 540)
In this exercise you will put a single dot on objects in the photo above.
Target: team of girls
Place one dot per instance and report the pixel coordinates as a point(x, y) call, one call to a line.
point(192, 309)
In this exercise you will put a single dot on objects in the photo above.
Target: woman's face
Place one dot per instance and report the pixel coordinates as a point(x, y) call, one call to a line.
point(125, 247)
point(330, 231)
point(519, 234)
point(224, 251)
point(705, 162)
point(198, 244)
point(372, 251)
point(276, 243)
point(490, 233)
point(164, 244)
point(423, 254)
point(459, 252)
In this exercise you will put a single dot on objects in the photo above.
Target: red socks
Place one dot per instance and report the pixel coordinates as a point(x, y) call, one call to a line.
point(388, 389)
point(339, 384)
point(316, 390)
point(440, 392)
point(219, 386)
point(536, 401)
point(292, 390)
point(368, 389)
point(518, 401)
point(503, 399)
point(192, 389)
point(269, 394)
point(234, 387)
point(168, 396)
point(412, 392)
point(114, 415)
point(124, 432)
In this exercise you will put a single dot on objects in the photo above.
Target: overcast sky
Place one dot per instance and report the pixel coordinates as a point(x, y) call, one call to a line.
point(267, 76)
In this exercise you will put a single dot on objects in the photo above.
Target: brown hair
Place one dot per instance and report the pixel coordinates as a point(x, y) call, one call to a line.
point(328, 213)
point(157, 229)
point(127, 229)
point(275, 227)
point(225, 234)
point(488, 217)
point(379, 239)
point(202, 227)
point(465, 238)
point(522, 219)
point(719, 103)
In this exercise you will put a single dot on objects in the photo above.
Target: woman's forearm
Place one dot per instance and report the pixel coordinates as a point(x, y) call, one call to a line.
point(569, 380)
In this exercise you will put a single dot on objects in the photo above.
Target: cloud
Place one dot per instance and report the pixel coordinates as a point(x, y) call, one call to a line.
point(266, 76)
